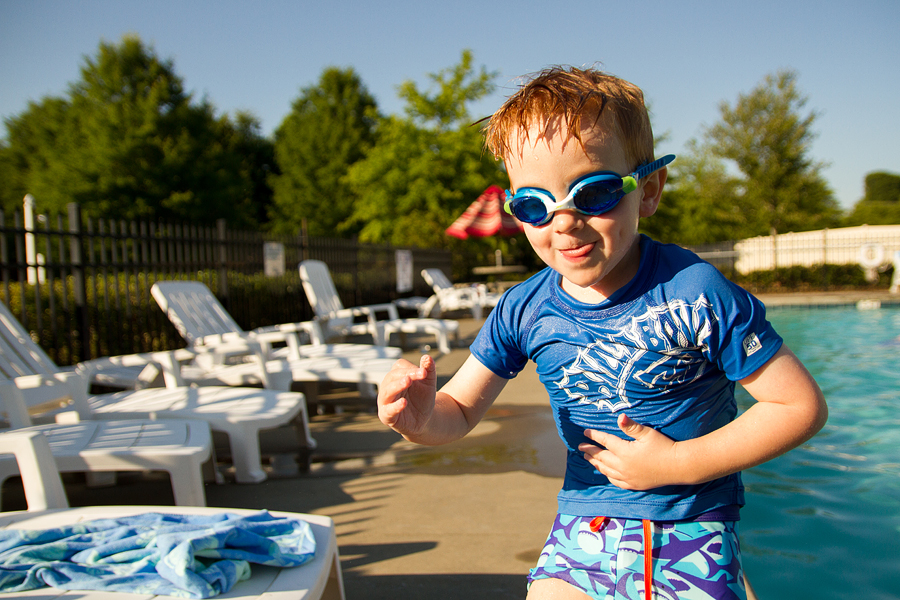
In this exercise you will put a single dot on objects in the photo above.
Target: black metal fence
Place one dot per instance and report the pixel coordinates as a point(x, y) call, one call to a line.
point(82, 287)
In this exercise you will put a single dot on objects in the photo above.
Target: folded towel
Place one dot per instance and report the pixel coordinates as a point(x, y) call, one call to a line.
point(190, 556)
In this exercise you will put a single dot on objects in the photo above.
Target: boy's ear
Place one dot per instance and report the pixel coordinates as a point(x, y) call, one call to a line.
point(652, 186)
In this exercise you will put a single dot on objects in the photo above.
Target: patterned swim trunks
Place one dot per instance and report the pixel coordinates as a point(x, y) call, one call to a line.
point(606, 558)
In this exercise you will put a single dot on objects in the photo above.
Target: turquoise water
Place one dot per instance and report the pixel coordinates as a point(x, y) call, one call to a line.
point(823, 521)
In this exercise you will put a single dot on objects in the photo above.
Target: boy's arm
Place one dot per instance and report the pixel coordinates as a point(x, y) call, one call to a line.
point(409, 403)
point(789, 410)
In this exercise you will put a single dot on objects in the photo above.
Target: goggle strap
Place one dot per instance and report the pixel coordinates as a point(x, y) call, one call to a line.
point(657, 164)
point(507, 205)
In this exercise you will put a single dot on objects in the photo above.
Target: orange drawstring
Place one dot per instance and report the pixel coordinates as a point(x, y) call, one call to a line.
point(597, 524)
point(648, 560)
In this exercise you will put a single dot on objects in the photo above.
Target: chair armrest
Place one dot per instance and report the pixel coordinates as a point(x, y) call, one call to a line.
point(287, 328)
point(290, 334)
point(212, 355)
point(152, 363)
point(47, 394)
point(470, 294)
point(214, 349)
point(310, 329)
point(372, 310)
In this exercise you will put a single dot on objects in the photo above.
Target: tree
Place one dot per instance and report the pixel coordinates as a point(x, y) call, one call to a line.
point(426, 168)
point(330, 128)
point(128, 142)
point(767, 138)
point(32, 158)
point(881, 203)
point(256, 163)
point(700, 204)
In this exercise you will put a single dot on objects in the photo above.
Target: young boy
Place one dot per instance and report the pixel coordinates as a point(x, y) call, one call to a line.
point(639, 345)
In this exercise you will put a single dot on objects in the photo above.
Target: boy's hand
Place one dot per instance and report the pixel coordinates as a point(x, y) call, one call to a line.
point(406, 396)
point(645, 462)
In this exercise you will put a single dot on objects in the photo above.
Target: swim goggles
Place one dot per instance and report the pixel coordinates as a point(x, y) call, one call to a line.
point(593, 194)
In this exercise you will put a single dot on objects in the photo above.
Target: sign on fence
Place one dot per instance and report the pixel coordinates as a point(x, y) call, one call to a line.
point(273, 259)
point(404, 260)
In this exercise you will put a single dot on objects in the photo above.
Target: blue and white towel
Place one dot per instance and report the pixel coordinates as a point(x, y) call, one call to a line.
point(191, 556)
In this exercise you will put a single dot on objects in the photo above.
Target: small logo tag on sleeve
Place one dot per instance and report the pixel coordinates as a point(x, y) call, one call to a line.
point(751, 344)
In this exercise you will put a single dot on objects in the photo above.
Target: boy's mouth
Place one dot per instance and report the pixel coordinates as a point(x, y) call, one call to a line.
point(577, 251)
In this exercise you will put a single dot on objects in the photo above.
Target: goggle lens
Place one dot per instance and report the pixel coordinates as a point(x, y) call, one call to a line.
point(599, 196)
point(530, 209)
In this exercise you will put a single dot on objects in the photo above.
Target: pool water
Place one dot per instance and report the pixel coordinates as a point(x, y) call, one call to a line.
point(823, 521)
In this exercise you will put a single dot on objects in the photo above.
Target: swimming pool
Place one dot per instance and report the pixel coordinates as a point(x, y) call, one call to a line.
point(823, 521)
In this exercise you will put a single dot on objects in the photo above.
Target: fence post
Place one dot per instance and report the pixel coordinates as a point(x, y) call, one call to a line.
point(304, 240)
point(774, 235)
point(30, 247)
point(222, 262)
point(78, 280)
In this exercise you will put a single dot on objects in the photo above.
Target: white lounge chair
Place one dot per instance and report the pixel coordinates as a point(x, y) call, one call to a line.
point(338, 321)
point(320, 578)
point(179, 447)
point(218, 341)
point(240, 413)
point(203, 322)
point(448, 297)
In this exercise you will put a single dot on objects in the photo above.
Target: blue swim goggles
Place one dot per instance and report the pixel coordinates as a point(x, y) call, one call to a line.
point(593, 194)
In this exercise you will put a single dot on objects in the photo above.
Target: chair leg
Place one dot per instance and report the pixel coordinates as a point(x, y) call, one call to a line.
point(187, 482)
point(367, 390)
point(443, 340)
point(245, 454)
point(334, 589)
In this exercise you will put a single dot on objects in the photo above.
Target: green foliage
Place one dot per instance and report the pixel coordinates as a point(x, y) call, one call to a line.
point(33, 156)
point(255, 162)
point(329, 129)
point(426, 168)
point(881, 203)
point(803, 279)
point(750, 174)
point(128, 142)
point(701, 203)
point(765, 135)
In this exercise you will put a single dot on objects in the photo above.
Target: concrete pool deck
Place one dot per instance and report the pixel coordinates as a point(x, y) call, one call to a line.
point(466, 520)
point(824, 299)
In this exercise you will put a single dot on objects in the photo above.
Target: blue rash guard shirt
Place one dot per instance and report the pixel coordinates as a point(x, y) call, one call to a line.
point(666, 350)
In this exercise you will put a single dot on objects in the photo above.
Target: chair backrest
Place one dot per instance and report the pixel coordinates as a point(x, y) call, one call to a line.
point(29, 379)
point(319, 288)
point(436, 279)
point(193, 309)
point(19, 354)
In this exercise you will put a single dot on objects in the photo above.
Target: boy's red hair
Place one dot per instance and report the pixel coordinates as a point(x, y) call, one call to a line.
point(573, 95)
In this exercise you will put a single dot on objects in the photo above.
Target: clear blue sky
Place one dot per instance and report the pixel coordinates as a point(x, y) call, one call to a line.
point(687, 56)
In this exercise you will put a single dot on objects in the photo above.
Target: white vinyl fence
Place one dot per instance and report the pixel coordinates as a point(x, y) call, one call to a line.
point(873, 247)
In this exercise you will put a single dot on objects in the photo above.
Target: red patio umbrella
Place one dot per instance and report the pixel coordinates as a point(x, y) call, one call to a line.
point(486, 217)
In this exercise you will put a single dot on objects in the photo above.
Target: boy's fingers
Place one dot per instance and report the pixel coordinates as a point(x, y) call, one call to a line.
point(396, 384)
point(391, 411)
point(630, 428)
point(593, 434)
point(602, 439)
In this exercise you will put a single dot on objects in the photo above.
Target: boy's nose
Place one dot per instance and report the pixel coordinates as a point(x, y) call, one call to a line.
point(567, 220)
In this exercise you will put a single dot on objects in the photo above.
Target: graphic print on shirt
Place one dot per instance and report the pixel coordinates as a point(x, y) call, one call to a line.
point(659, 349)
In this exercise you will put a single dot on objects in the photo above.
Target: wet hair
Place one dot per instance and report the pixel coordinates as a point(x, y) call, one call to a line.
point(572, 95)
